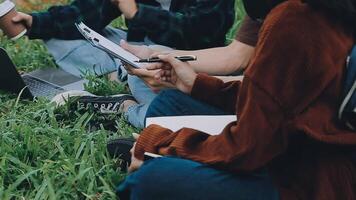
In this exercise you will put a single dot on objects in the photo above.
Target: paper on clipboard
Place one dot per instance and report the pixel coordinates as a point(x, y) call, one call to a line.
point(108, 46)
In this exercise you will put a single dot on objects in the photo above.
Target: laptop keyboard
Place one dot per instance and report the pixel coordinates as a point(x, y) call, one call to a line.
point(40, 88)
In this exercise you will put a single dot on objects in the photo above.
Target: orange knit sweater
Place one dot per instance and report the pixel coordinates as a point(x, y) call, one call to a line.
point(286, 108)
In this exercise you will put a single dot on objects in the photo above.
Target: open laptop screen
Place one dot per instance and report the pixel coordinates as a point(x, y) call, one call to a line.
point(10, 79)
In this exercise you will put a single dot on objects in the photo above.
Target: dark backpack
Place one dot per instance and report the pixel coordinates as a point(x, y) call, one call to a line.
point(347, 111)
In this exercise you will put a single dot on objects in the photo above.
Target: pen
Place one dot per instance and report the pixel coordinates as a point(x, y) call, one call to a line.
point(156, 59)
point(148, 156)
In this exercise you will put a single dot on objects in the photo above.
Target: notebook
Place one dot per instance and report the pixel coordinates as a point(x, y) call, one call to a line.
point(211, 124)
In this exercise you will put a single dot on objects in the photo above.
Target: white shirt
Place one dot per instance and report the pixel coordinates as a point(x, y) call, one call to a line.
point(165, 4)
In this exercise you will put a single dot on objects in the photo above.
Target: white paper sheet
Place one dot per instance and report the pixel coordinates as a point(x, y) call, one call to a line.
point(212, 124)
point(108, 46)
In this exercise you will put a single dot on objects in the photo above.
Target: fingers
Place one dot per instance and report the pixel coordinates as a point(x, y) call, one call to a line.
point(171, 60)
point(135, 136)
point(125, 45)
point(153, 66)
point(135, 163)
point(158, 65)
point(18, 18)
point(23, 18)
point(141, 51)
point(142, 73)
point(132, 168)
point(129, 47)
point(128, 68)
point(164, 75)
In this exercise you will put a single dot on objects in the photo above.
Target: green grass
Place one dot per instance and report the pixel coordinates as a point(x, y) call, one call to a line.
point(48, 153)
point(27, 55)
point(239, 15)
point(103, 86)
point(57, 153)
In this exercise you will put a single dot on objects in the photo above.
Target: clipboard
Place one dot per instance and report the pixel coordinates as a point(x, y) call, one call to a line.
point(99, 41)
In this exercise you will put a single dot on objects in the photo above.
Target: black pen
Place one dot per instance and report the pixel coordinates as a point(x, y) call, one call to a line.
point(156, 59)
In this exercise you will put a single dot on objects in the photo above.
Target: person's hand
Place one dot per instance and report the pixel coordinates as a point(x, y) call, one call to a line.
point(135, 163)
point(127, 7)
point(141, 51)
point(148, 76)
point(175, 73)
point(23, 18)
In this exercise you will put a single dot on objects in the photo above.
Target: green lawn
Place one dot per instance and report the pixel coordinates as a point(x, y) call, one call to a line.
point(56, 153)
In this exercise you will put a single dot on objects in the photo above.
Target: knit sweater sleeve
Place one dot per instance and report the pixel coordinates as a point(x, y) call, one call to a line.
point(242, 146)
point(215, 92)
point(258, 136)
point(59, 21)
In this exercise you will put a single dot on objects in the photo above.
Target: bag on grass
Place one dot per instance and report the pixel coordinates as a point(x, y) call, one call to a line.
point(347, 111)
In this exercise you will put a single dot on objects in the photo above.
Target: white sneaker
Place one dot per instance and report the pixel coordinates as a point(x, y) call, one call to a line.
point(87, 101)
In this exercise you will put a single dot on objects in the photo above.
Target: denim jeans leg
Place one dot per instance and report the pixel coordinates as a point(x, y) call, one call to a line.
point(135, 115)
point(79, 56)
point(175, 179)
point(144, 95)
point(176, 103)
point(141, 92)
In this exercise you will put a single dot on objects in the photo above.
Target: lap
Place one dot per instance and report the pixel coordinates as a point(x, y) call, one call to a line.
point(79, 56)
point(175, 178)
point(142, 93)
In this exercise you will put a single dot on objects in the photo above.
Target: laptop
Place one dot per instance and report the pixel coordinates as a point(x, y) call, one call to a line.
point(39, 83)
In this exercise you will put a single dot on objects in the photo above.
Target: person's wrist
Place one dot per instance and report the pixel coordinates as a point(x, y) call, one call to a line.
point(29, 22)
point(191, 84)
point(132, 13)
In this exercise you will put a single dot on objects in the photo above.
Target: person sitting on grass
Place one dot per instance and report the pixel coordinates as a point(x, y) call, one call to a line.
point(287, 143)
point(231, 61)
point(179, 24)
point(182, 24)
point(235, 56)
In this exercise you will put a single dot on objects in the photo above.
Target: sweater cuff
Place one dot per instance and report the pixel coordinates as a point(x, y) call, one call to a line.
point(151, 138)
point(248, 32)
point(205, 87)
point(41, 25)
point(146, 16)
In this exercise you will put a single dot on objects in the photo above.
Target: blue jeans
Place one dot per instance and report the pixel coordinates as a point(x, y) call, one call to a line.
point(173, 178)
point(176, 103)
point(144, 95)
point(79, 56)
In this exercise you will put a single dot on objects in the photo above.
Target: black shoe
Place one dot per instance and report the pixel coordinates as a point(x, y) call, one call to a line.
point(120, 148)
point(87, 101)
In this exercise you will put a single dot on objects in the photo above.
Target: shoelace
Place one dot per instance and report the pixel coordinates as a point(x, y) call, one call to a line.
point(110, 108)
point(104, 108)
